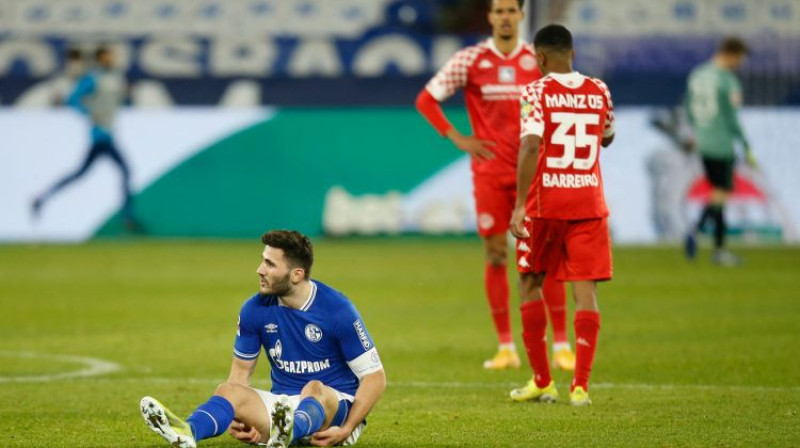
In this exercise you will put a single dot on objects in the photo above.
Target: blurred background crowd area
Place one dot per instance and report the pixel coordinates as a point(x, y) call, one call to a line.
point(237, 102)
point(378, 52)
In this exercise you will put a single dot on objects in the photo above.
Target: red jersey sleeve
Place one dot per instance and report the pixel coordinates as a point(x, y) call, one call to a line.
point(452, 76)
point(430, 109)
point(531, 115)
point(608, 129)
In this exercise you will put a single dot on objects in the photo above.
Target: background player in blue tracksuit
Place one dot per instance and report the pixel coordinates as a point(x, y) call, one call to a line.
point(98, 95)
point(326, 372)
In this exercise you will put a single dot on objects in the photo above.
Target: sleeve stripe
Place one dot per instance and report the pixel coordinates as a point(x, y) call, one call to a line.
point(246, 355)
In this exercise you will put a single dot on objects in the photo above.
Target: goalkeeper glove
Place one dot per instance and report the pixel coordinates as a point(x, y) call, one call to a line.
point(750, 158)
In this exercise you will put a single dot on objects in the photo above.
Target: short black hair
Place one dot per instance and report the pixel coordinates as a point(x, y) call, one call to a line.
point(489, 4)
point(733, 45)
point(296, 247)
point(554, 37)
point(74, 54)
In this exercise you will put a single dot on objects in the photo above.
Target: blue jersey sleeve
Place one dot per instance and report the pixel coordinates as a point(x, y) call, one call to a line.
point(248, 344)
point(354, 339)
point(86, 85)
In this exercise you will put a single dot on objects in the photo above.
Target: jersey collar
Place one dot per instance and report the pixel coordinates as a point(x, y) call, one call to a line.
point(309, 301)
point(311, 296)
point(572, 80)
point(490, 43)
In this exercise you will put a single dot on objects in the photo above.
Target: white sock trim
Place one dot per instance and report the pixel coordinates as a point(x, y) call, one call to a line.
point(508, 346)
point(216, 427)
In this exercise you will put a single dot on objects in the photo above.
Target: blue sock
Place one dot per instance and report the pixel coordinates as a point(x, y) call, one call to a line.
point(308, 418)
point(211, 419)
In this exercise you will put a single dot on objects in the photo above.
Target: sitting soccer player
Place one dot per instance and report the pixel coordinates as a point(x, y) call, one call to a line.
point(326, 372)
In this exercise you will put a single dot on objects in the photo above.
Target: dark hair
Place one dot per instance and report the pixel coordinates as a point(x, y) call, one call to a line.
point(555, 37)
point(74, 54)
point(489, 3)
point(100, 51)
point(296, 247)
point(733, 45)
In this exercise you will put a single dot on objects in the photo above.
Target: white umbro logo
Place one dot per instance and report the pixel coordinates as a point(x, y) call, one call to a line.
point(485, 63)
point(583, 342)
point(271, 327)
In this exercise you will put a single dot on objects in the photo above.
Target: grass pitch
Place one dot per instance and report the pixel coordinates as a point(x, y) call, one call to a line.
point(689, 354)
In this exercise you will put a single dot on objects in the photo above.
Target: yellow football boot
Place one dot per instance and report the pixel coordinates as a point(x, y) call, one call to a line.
point(579, 397)
point(505, 358)
point(529, 392)
point(163, 422)
point(564, 359)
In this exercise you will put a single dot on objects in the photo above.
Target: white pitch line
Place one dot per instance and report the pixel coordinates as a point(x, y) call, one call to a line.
point(472, 385)
point(477, 385)
point(92, 367)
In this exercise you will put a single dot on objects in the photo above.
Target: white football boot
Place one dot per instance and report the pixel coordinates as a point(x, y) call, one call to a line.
point(166, 424)
point(282, 423)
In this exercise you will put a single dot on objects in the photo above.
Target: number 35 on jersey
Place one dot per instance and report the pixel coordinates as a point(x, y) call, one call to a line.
point(572, 113)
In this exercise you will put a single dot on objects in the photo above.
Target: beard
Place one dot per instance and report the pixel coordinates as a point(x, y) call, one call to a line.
point(280, 287)
point(506, 31)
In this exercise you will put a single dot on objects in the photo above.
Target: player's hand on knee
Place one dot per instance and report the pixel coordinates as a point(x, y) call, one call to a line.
point(243, 433)
point(330, 437)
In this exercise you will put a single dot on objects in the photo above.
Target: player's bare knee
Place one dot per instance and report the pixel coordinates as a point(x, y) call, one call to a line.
point(530, 287)
point(314, 389)
point(322, 393)
point(496, 250)
point(585, 294)
point(230, 391)
point(497, 258)
point(496, 254)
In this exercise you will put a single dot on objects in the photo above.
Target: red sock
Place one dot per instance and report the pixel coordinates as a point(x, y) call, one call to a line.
point(534, 334)
point(496, 279)
point(555, 297)
point(587, 324)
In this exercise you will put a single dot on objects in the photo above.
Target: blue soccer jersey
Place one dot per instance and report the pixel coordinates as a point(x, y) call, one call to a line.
point(325, 340)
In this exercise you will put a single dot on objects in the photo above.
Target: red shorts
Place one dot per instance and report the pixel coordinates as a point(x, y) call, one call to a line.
point(570, 250)
point(494, 202)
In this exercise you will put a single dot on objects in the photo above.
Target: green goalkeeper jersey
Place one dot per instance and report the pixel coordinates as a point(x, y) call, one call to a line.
point(712, 100)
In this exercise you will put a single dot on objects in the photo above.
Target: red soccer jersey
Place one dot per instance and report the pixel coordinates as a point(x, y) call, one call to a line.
point(492, 84)
point(571, 113)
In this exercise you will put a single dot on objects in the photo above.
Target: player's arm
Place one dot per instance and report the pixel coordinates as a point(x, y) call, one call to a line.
point(731, 102)
point(364, 361)
point(431, 109)
point(241, 371)
point(246, 348)
point(687, 104)
point(443, 85)
point(609, 122)
point(526, 171)
point(531, 131)
point(369, 392)
point(730, 111)
point(85, 86)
